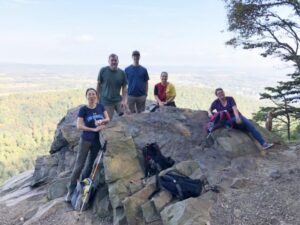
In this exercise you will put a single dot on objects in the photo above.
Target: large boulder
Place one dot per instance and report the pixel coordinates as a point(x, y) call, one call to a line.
point(58, 188)
point(66, 133)
point(192, 211)
point(121, 165)
point(234, 143)
point(48, 168)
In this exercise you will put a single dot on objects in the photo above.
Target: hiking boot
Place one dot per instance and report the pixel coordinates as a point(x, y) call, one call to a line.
point(68, 196)
point(267, 145)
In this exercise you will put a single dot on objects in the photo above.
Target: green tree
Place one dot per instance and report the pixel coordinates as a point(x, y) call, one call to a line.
point(283, 111)
point(273, 27)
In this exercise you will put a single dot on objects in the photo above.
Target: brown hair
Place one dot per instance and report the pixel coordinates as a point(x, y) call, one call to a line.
point(164, 72)
point(113, 55)
point(218, 89)
point(90, 89)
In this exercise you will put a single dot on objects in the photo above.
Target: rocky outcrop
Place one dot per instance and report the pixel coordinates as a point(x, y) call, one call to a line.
point(257, 187)
point(192, 211)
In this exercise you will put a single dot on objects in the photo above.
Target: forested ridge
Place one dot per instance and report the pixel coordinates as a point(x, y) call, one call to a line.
point(27, 123)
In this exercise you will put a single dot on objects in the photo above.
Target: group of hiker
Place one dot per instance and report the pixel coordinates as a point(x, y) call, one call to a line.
point(112, 96)
point(112, 81)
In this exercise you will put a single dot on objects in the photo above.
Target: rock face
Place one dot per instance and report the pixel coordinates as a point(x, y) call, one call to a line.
point(192, 211)
point(256, 187)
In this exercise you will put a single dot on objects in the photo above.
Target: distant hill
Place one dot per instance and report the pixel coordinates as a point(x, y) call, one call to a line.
point(15, 77)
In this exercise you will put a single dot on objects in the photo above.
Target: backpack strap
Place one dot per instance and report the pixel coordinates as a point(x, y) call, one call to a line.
point(178, 187)
point(175, 172)
point(158, 186)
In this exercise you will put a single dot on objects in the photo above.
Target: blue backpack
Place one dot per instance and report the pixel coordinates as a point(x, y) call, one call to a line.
point(83, 194)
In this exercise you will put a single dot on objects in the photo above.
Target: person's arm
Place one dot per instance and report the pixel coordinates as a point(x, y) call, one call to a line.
point(99, 86)
point(236, 114)
point(170, 100)
point(81, 126)
point(103, 121)
point(146, 77)
point(146, 89)
point(209, 113)
point(211, 109)
point(124, 91)
point(159, 102)
point(124, 95)
point(172, 93)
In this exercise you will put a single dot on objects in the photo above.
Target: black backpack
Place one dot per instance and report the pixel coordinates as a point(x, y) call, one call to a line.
point(182, 187)
point(154, 160)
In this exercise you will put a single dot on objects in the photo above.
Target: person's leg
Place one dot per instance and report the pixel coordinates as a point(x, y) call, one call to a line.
point(82, 153)
point(252, 130)
point(95, 147)
point(110, 110)
point(120, 111)
point(131, 103)
point(234, 125)
point(171, 104)
point(141, 104)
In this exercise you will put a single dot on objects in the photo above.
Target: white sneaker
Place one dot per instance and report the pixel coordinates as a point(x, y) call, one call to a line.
point(68, 197)
point(267, 145)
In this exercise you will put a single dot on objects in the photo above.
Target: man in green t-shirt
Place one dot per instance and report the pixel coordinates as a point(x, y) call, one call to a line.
point(111, 80)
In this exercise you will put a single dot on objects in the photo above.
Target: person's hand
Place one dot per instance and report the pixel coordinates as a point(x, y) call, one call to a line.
point(161, 103)
point(98, 122)
point(210, 114)
point(99, 128)
point(123, 104)
point(238, 120)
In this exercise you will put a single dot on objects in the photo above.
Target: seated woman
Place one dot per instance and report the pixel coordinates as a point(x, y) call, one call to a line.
point(224, 103)
point(91, 120)
point(164, 92)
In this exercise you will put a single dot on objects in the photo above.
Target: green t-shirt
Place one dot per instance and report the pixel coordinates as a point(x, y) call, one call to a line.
point(111, 82)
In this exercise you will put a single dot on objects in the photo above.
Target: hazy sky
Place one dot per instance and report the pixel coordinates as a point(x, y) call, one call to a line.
point(167, 32)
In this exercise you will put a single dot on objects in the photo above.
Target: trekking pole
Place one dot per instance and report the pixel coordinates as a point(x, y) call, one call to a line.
point(91, 180)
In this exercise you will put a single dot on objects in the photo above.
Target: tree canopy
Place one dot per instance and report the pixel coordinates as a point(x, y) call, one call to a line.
point(273, 26)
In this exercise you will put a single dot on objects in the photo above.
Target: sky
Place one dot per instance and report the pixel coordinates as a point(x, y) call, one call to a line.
point(166, 32)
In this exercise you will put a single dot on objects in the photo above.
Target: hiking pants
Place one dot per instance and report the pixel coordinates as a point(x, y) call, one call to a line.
point(247, 126)
point(137, 104)
point(112, 108)
point(171, 104)
point(86, 156)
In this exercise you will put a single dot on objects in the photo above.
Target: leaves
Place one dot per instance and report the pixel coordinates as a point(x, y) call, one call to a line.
point(272, 26)
point(259, 24)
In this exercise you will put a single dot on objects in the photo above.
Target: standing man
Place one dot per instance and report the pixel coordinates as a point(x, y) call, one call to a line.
point(111, 80)
point(137, 77)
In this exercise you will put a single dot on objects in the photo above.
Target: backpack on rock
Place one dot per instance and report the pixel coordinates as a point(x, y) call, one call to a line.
point(181, 186)
point(154, 160)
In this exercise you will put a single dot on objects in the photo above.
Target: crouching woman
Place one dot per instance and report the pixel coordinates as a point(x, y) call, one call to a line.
point(238, 121)
point(91, 119)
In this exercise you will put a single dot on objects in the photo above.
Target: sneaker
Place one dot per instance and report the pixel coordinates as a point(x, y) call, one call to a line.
point(267, 145)
point(68, 197)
